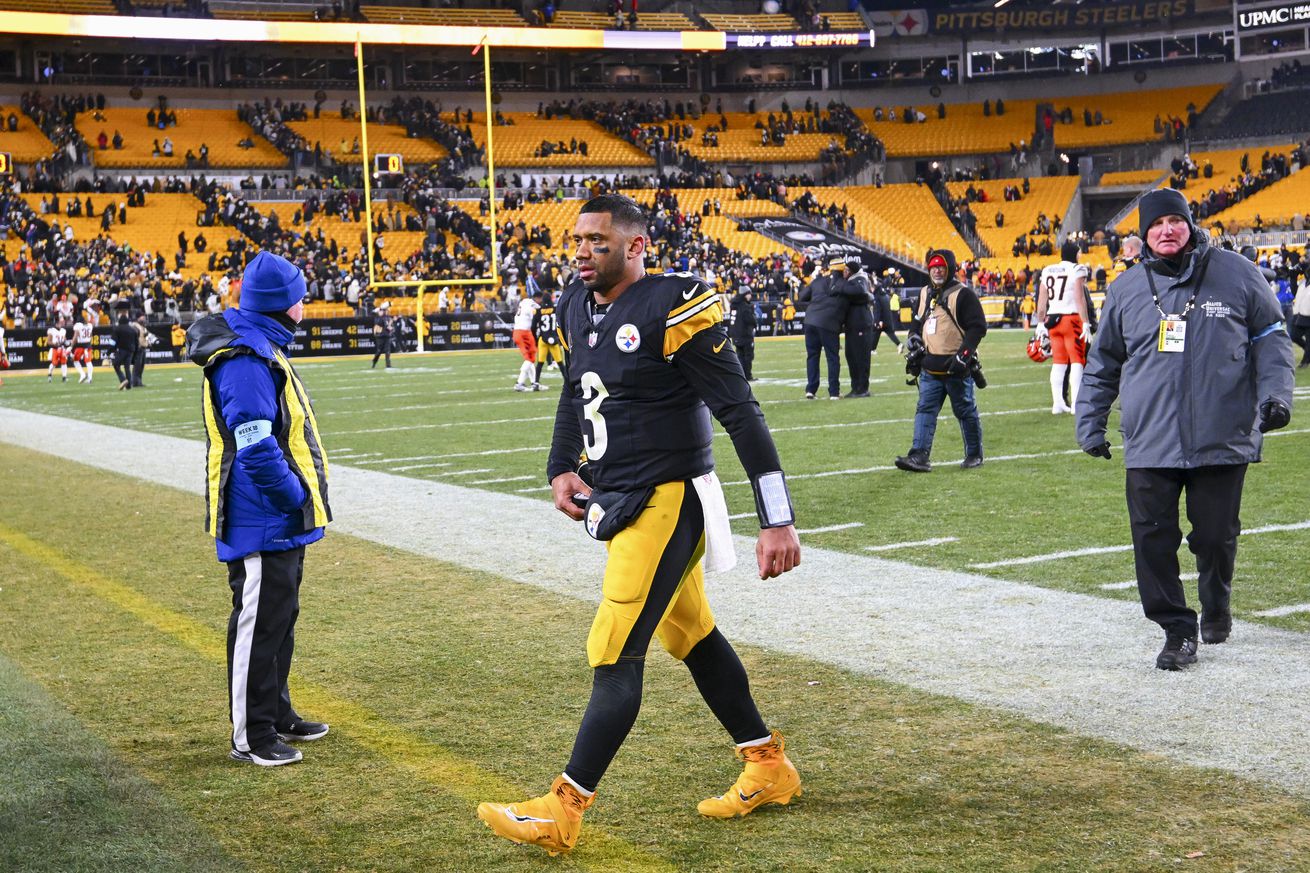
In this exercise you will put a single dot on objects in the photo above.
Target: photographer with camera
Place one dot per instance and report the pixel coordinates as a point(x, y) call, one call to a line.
point(942, 343)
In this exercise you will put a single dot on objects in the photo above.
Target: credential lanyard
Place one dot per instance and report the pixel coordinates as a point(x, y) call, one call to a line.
point(1191, 301)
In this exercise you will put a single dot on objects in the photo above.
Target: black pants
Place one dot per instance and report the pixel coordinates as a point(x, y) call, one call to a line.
point(828, 342)
point(1299, 328)
point(616, 688)
point(859, 345)
point(138, 367)
point(261, 636)
point(123, 368)
point(1214, 498)
point(383, 348)
point(745, 353)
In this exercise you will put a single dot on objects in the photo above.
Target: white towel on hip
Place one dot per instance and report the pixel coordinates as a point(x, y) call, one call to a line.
point(719, 552)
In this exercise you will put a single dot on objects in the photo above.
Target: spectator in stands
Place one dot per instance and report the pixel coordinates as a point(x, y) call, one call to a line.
point(1193, 420)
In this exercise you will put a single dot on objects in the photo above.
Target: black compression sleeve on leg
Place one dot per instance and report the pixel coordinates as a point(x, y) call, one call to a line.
point(722, 681)
point(611, 712)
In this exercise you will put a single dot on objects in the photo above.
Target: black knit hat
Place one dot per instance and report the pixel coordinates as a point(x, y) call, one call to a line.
point(1165, 201)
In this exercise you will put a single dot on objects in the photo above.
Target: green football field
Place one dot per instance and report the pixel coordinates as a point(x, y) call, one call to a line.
point(447, 686)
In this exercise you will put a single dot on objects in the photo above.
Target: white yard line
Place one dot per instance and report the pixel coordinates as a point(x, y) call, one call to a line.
point(441, 425)
point(427, 466)
point(467, 472)
point(1105, 550)
point(737, 515)
point(1132, 583)
point(1278, 611)
point(934, 541)
point(830, 528)
point(858, 471)
point(1009, 642)
point(507, 479)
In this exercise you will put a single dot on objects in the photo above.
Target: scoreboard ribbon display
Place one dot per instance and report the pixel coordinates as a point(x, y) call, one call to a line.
point(801, 40)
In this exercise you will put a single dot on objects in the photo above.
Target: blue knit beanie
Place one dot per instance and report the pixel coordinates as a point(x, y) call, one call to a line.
point(271, 284)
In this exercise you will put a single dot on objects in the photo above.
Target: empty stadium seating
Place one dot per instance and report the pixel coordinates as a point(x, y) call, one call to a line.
point(1225, 167)
point(906, 220)
point(331, 130)
point(220, 129)
point(1140, 178)
point(1283, 113)
point(1276, 205)
point(846, 21)
point(751, 23)
point(1051, 195)
point(601, 21)
point(457, 17)
point(516, 143)
point(28, 143)
point(77, 7)
point(150, 228)
point(741, 142)
point(964, 130)
point(264, 13)
point(692, 199)
point(1129, 116)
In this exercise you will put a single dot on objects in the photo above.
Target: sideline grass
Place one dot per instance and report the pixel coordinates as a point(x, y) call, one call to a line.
point(69, 804)
point(493, 673)
point(459, 405)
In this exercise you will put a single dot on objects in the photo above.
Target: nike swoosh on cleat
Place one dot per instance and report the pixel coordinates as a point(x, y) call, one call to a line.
point(523, 818)
point(720, 346)
point(747, 798)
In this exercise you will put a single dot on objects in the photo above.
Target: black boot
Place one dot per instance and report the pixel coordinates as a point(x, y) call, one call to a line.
point(915, 462)
point(1178, 652)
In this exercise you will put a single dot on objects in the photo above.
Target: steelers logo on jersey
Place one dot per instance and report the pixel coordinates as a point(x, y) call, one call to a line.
point(628, 339)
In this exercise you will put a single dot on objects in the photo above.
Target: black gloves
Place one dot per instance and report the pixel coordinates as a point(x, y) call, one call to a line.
point(1101, 451)
point(1273, 415)
point(959, 365)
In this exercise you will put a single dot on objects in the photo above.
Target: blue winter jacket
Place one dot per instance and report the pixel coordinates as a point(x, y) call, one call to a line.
point(266, 505)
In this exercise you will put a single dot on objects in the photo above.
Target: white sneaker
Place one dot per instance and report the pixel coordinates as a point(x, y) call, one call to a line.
point(520, 387)
point(1060, 409)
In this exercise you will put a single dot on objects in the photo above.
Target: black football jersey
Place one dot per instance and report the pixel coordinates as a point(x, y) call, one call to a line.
point(547, 324)
point(642, 423)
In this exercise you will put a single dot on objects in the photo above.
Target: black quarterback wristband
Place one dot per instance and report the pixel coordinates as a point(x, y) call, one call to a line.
point(772, 500)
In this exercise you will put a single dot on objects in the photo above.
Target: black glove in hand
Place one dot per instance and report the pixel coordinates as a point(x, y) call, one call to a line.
point(959, 365)
point(1101, 451)
point(1273, 415)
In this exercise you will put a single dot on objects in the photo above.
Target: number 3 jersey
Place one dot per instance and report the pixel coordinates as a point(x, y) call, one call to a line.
point(641, 377)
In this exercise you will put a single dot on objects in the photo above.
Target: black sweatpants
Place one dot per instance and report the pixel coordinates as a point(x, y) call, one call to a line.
point(1214, 498)
point(745, 354)
point(261, 636)
point(384, 344)
point(859, 345)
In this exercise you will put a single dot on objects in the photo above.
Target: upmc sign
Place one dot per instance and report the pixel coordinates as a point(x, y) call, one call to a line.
point(1287, 15)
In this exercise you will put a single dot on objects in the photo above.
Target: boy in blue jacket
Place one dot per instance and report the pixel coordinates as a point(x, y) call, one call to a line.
point(266, 498)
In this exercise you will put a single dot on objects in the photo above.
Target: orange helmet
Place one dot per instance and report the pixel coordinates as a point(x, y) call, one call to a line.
point(1039, 348)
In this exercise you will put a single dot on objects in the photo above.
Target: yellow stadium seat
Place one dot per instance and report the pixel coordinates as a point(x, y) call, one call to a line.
point(151, 228)
point(330, 130)
point(28, 143)
point(741, 141)
point(219, 129)
point(516, 143)
point(751, 23)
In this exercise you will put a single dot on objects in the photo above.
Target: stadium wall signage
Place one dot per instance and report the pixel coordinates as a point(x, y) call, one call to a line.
point(28, 350)
point(801, 40)
point(1126, 14)
point(812, 239)
point(1286, 15)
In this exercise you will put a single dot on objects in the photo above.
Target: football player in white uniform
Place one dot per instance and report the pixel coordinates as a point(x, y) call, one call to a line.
point(526, 342)
point(57, 340)
point(82, 350)
point(1062, 314)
